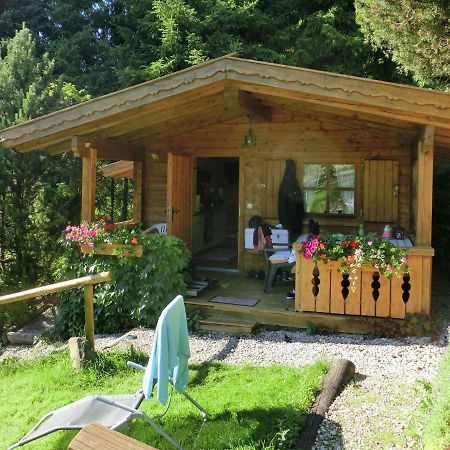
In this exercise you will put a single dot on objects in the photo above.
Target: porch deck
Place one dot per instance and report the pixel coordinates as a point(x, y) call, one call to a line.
point(272, 308)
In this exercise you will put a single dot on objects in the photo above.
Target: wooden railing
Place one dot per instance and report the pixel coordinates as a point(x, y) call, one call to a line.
point(321, 288)
point(88, 283)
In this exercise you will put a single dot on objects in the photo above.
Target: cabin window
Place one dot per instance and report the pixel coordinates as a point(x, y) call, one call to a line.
point(329, 188)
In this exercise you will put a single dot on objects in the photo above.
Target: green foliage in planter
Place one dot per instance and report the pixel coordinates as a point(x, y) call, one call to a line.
point(141, 286)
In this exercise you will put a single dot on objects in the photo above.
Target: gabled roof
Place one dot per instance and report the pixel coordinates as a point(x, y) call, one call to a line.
point(206, 93)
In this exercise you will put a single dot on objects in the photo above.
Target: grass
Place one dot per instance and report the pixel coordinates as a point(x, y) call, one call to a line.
point(436, 426)
point(251, 408)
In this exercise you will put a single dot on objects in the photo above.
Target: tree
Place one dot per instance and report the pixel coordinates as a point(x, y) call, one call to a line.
point(28, 211)
point(414, 33)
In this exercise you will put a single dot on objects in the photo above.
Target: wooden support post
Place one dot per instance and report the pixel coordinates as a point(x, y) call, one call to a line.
point(89, 314)
point(424, 188)
point(88, 180)
point(137, 192)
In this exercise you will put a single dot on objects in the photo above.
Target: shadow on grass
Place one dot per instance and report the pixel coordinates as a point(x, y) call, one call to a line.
point(227, 430)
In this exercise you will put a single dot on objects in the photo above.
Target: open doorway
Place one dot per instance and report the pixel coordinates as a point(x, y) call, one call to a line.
point(216, 213)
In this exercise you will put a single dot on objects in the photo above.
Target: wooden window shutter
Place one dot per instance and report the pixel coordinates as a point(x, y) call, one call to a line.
point(381, 191)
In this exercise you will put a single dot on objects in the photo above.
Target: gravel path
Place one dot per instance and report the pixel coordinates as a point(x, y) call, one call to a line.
point(373, 412)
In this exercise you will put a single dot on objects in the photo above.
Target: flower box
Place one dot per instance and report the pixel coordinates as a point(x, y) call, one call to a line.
point(113, 249)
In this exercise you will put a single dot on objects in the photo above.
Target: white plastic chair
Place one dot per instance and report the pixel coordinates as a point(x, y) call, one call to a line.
point(160, 228)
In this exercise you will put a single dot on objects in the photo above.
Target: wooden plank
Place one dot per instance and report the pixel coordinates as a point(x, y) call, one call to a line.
point(337, 303)
point(398, 308)
point(414, 304)
point(55, 287)
point(137, 191)
point(367, 301)
point(304, 284)
point(380, 192)
point(383, 304)
point(427, 274)
point(424, 186)
point(89, 314)
point(352, 303)
point(388, 191)
point(98, 437)
point(373, 182)
point(88, 188)
point(323, 298)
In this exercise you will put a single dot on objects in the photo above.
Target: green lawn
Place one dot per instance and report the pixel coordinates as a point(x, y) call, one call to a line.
point(436, 434)
point(250, 407)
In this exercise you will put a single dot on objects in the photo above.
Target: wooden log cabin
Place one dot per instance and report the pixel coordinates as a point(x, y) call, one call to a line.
point(182, 139)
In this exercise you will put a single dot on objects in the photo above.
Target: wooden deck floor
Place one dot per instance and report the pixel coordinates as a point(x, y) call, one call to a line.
point(272, 308)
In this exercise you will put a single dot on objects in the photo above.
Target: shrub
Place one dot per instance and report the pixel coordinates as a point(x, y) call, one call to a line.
point(141, 286)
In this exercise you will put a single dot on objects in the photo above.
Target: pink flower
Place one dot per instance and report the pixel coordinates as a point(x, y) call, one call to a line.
point(90, 244)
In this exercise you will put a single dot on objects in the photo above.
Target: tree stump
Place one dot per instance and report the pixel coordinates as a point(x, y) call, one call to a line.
point(80, 352)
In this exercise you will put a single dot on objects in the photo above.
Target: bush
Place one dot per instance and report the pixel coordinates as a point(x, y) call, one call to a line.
point(141, 286)
point(437, 421)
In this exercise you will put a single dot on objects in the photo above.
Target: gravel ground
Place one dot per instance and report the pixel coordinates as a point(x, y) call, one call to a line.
point(373, 412)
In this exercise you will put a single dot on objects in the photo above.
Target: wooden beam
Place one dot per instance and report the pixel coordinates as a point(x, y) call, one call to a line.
point(137, 192)
point(88, 188)
point(55, 287)
point(89, 314)
point(254, 106)
point(424, 188)
point(106, 149)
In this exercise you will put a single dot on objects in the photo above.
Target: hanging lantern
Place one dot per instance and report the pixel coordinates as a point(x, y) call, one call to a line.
point(250, 138)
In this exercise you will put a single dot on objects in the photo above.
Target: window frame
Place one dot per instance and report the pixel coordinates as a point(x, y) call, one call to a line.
point(329, 189)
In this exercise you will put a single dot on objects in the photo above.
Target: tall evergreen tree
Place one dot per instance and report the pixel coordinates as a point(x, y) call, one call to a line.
point(27, 90)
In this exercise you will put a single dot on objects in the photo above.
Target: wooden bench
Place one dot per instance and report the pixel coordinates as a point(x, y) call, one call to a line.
point(98, 437)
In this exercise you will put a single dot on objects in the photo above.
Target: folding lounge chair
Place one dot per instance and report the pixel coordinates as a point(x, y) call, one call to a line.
point(114, 411)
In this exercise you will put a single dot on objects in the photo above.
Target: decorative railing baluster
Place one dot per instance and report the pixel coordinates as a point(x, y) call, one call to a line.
point(345, 283)
point(375, 285)
point(315, 281)
point(406, 287)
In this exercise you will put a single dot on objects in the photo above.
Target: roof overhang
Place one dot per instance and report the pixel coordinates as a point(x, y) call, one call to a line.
point(219, 90)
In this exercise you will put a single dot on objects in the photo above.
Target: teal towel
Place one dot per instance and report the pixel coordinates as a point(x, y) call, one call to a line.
point(170, 353)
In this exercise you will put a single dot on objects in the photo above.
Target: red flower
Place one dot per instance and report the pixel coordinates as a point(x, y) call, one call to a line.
point(321, 246)
point(103, 219)
point(350, 259)
point(134, 240)
point(344, 244)
point(354, 244)
point(109, 226)
point(323, 256)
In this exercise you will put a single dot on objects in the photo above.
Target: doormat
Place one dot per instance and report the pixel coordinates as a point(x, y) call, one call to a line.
point(235, 300)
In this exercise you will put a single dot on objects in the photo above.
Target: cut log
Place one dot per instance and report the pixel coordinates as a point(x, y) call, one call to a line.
point(20, 338)
point(340, 373)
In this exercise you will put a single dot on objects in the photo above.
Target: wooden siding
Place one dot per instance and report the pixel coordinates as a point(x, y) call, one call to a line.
point(302, 136)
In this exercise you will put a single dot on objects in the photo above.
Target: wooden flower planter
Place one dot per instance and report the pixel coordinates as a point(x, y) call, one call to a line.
point(321, 288)
point(113, 249)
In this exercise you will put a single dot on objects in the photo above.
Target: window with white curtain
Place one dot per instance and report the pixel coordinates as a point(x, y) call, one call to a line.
point(329, 188)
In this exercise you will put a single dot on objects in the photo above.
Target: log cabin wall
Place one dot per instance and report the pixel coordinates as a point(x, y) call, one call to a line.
point(302, 137)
